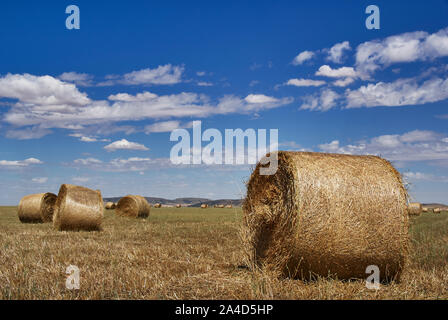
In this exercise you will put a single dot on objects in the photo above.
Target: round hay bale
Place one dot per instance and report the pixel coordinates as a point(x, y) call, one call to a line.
point(178, 205)
point(133, 206)
point(229, 206)
point(110, 206)
point(425, 209)
point(415, 209)
point(158, 205)
point(29, 208)
point(221, 206)
point(204, 206)
point(437, 210)
point(78, 208)
point(327, 215)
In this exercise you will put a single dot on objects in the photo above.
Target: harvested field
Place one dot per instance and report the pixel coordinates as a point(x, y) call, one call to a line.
point(142, 259)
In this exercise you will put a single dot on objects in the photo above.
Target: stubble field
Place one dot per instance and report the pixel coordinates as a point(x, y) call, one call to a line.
point(187, 253)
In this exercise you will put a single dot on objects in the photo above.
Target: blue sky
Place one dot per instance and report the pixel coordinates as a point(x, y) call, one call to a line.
point(137, 70)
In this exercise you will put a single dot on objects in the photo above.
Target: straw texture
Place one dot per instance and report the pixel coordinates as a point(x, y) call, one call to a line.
point(327, 215)
point(133, 206)
point(78, 208)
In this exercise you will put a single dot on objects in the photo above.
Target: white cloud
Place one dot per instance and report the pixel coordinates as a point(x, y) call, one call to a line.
point(302, 57)
point(405, 47)
point(166, 74)
point(335, 53)
point(343, 72)
point(88, 161)
point(343, 82)
point(139, 97)
point(19, 163)
point(323, 101)
point(35, 132)
point(40, 180)
point(80, 179)
point(201, 73)
point(305, 83)
point(415, 145)
point(398, 93)
point(259, 98)
point(54, 94)
point(88, 139)
point(124, 144)
point(81, 79)
point(166, 126)
point(205, 84)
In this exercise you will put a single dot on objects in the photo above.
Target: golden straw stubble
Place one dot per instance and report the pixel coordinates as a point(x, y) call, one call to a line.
point(78, 208)
point(327, 215)
point(133, 206)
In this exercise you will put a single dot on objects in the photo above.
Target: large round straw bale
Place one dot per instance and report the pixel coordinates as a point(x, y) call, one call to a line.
point(204, 206)
point(47, 206)
point(415, 209)
point(133, 206)
point(78, 208)
point(328, 215)
point(29, 208)
point(110, 206)
point(437, 210)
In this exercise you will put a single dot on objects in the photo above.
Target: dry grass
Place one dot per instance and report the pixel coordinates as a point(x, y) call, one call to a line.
point(187, 253)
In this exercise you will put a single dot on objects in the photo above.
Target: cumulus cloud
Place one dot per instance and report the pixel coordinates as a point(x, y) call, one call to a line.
point(19, 163)
point(35, 132)
point(343, 82)
point(302, 57)
point(167, 74)
point(166, 126)
point(405, 47)
point(124, 144)
point(323, 101)
point(343, 72)
point(336, 53)
point(205, 84)
point(134, 164)
point(398, 93)
point(54, 94)
point(305, 83)
point(51, 103)
point(40, 180)
point(81, 79)
point(415, 145)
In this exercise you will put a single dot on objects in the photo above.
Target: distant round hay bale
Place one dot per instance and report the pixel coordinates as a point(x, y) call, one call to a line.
point(133, 206)
point(221, 206)
point(437, 210)
point(415, 209)
point(425, 209)
point(178, 205)
point(29, 208)
point(110, 205)
point(158, 205)
point(327, 215)
point(78, 208)
point(229, 206)
point(204, 206)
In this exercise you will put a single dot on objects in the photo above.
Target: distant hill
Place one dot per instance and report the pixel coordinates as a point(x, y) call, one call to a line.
point(435, 205)
point(185, 202)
